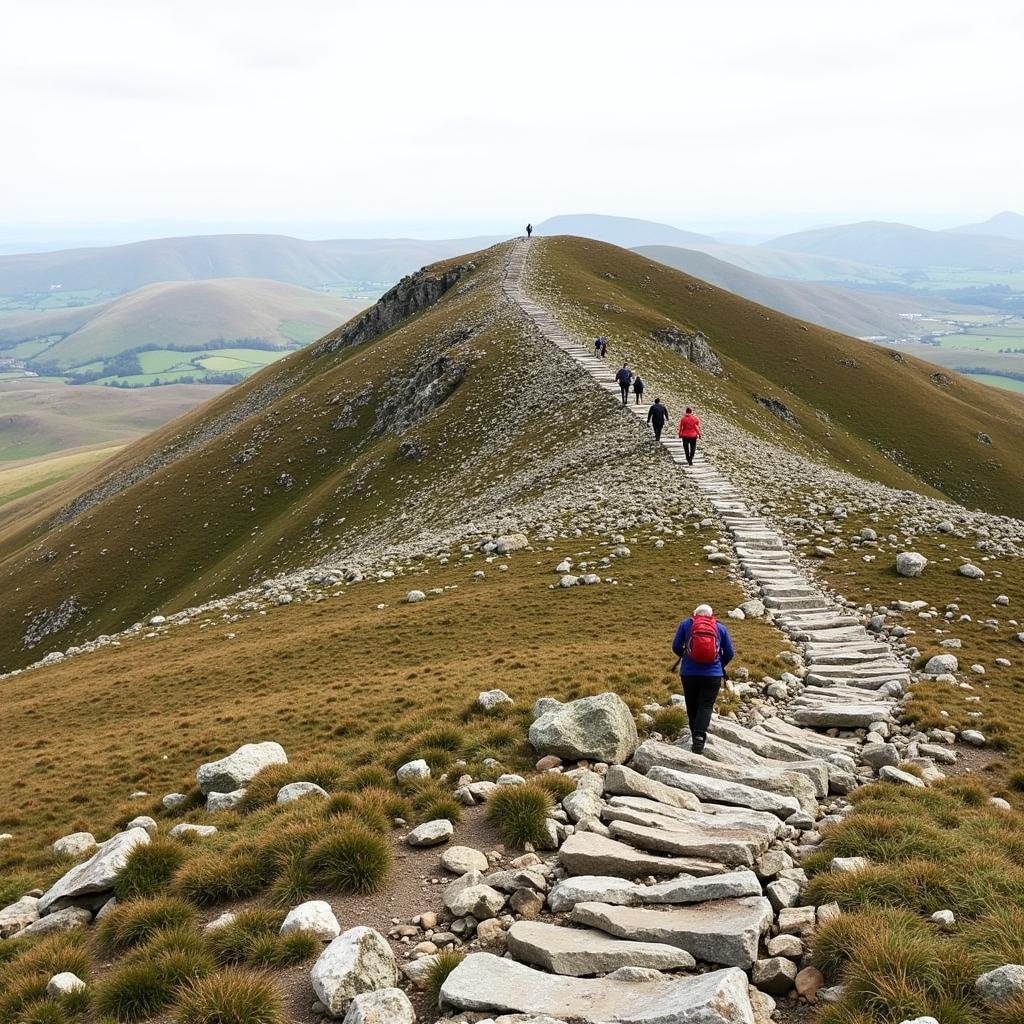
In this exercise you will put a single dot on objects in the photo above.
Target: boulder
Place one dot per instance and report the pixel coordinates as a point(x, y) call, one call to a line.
point(241, 767)
point(488, 700)
point(97, 874)
point(70, 919)
point(732, 885)
point(359, 960)
point(510, 542)
point(889, 774)
point(64, 984)
point(487, 983)
point(187, 828)
point(719, 932)
point(315, 917)
point(224, 801)
point(597, 728)
point(972, 572)
point(579, 952)
point(431, 833)
point(940, 664)
point(460, 859)
point(910, 563)
point(880, 754)
point(19, 915)
point(385, 1006)
point(1001, 985)
point(593, 889)
point(412, 770)
point(298, 790)
point(74, 845)
point(775, 975)
point(724, 792)
point(415, 596)
point(144, 821)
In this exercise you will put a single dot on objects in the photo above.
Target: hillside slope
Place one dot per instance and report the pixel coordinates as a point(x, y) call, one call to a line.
point(1006, 225)
point(900, 245)
point(122, 268)
point(437, 409)
point(183, 315)
point(853, 312)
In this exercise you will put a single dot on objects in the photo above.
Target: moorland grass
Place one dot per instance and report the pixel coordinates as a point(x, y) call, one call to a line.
point(130, 924)
point(520, 813)
point(231, 996)
point(149, 869)
point(441, 966)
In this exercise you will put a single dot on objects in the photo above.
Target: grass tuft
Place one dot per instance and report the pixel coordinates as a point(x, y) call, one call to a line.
point(149, 869)
point(519, 813)
point(443, 965)
point(353, 860)
point(130, 924)
point(232, 996)
point(216, 877)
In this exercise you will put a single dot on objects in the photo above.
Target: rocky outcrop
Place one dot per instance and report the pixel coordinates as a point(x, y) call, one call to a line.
point(693, 346)
point(777, 408)
point(410, 296)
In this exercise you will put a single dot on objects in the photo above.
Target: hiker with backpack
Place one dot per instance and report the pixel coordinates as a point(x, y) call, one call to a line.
point(704, 648)
point(689, 431)
point(529, 230)
point(625, 378)
point(656, 416)
point(638, 388)
point(597, 347)
point(604, 348)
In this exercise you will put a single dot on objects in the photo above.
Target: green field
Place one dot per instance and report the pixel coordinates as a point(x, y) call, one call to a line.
point(10, 304)
point(995, 381)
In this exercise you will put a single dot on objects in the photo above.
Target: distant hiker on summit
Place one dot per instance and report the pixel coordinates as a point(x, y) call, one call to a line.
point(656, 416)
point(625, 378)
point(689, 431)
point(638, 388)
point(529, 230)
point(704, 648)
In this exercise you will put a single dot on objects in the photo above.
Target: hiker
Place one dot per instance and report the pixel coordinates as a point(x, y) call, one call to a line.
point(529, 230)
point(656, 416)
point(597, 347)
point(638, 388)
point(604, 348)
point(689, 431)
point(704, 648)
point(625, 378)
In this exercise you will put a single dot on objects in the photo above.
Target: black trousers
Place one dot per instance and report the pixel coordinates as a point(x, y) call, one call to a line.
point(700, 693)
point(624, 388)
point(657, 429)
point(689, 448)
point(638, 395)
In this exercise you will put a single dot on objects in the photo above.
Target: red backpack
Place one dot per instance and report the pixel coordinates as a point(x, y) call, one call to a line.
point(702, 646)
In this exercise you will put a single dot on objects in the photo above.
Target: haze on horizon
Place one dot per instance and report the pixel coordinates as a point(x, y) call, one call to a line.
point(322, 119)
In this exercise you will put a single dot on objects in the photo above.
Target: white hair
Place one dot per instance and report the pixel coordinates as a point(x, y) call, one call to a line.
point(703, 609)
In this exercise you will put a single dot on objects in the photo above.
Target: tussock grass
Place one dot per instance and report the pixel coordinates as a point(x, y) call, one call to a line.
point(220, 876)
point(354, 859)
point(519, 813)
point(232, 996)
point(431, 799)
point(149, 869)
point(130, 924)
point(556, 784)
point(671, 721)
point(443, 964)
point(262, 791)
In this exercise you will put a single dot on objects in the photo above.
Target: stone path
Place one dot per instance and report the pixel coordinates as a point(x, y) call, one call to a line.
point(681, 858)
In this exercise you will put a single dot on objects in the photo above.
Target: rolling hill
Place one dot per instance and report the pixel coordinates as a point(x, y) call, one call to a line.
point(627, 232)
point(185, 315)
point(113, 270)
point(860, 313)
point(1006, 225)
point(885, 244)
point(411, 420)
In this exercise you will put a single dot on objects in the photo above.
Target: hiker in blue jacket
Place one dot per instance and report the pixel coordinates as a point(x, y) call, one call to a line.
point(625, 378)
point(704, 648)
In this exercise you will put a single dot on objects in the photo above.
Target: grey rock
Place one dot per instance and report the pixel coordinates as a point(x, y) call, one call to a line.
point(19, 915)
point(940, 664)
point(97, 874)
point(74, 845)
point(484, 982)
point(64, 984)
point(597, 728)
point(412, 770)
point(879, 754)
point(488, 700)
point(315, 917)
point(910, 563)
point(187, 828)
point(586, 853)
point(719, 791)
point(239, 768)
point(997, 987)
point(224, 801)
point(460, 859)
point(889, 774)
point(359, 960)
point(593, 889)
point(384, 1006)
point(578, 952)
point(69, 919)
point(623, 780)
point(298, 791)
point(775, 975)
point(431, 833)
point(732, 885)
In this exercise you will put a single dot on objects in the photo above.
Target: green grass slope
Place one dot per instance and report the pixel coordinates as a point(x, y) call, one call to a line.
point(841, 309)
point(885, 418)
point(180, 314)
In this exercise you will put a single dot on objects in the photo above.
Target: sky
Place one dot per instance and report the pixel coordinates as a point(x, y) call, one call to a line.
point(450, 118)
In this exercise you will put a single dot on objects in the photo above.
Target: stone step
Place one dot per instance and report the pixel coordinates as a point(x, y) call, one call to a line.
point(486, 983)
point(578, 952)
point(729, 846)
point(841, 716)
point(716, 932)
point(721, 792)
point(586, 853)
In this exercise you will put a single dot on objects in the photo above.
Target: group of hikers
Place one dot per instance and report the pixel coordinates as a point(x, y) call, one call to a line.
point(657, 414)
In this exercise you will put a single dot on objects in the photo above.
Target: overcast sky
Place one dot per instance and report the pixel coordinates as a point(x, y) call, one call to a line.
point(450, 117)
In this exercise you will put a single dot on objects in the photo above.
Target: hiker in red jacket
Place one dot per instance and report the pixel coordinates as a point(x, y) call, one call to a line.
point(689, 431)
point(704, 648)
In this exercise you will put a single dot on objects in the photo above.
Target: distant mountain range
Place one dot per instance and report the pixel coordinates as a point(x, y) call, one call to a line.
point(860, 313)
point(1006, 224)
point(116, 269)
point(623, 231)
point(885, 244)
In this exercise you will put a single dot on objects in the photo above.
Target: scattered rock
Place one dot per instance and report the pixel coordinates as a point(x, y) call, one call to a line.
point(359, 960)
point(597, 728)
point(431, 833)
point(241, 767)
point(315, 917)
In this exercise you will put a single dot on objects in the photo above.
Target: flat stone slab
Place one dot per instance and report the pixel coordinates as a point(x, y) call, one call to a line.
point(97, 874)
point(727, 792)
point(579, 952)
point(566, 894)
point(733, 885)
point(841, 716)
point(730, 846)
point(586, 853)
point(627, 782)
point(718, 932)
point(491, 984)
point(760, 823)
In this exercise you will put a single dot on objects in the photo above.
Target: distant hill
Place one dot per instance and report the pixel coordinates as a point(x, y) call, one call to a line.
point(116, 269)
point(1006, 225)
point(180, 315)
point(859, 313)
point(796, 266)
point(623, 231)
point(899, 245)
